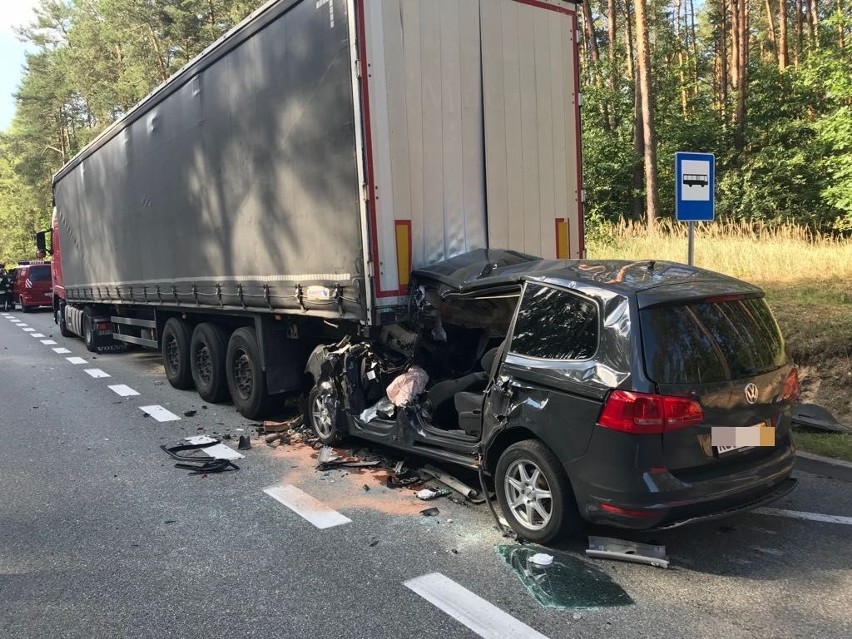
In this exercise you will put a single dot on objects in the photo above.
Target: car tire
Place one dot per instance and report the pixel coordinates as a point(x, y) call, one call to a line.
point(245, 375)
point(88, 332)
point(323, 413)
point(24, 307)
point(175, 350)
point(59, 318)
point(207, 350)
point(526, 471)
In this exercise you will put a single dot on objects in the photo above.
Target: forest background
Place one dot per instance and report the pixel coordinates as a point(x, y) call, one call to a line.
point(765, 85)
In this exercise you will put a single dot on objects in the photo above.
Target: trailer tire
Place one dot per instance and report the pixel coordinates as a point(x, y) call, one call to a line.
point(175, 349)
point(246, 377)
point(208, 348)
point(60, 320)
point(88, 333)
point(24, 307)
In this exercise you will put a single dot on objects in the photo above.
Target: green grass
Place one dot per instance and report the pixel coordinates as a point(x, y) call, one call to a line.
point(835, 445)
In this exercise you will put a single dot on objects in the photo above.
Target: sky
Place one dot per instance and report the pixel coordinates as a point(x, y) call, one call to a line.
point(12, 13)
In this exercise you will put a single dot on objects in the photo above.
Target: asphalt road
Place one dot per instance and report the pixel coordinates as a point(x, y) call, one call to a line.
point(100, 536)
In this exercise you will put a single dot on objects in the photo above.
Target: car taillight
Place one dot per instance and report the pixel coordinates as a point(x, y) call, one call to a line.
point(646, 414)
point(791, 387)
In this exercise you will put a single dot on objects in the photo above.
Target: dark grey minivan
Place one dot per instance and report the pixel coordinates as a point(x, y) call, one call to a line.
point(586, 389)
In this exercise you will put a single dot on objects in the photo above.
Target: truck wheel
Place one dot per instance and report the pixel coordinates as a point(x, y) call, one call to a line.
point(59, 318)
point(246, 378)
point(534, 492)
point(175, 345)
point(324, 414)
point(24, 307)
point(207, 350)
point(88, 332)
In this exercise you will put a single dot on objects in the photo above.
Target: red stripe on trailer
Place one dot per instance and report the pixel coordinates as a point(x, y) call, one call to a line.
point(580, 208)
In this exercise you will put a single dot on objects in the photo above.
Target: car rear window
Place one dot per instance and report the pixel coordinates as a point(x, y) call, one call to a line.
point(39, 273)
point(711, 342)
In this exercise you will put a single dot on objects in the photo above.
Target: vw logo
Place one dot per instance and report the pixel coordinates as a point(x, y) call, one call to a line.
point(751, 393)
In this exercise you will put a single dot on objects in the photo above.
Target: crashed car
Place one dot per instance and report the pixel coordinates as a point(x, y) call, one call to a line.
point(588, 390)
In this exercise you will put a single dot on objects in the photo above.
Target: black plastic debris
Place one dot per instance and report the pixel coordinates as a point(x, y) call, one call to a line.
point(430, 512)
point(567, 583)
point(189, 413)
point(245, 443)
point(200, 464)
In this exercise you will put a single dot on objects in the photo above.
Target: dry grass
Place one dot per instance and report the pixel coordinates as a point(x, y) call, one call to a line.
point(783, 254)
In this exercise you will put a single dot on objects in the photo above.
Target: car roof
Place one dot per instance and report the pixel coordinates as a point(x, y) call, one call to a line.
point(653, 281)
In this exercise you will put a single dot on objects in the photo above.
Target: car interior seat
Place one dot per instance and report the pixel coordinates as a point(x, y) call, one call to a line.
point(446, 395)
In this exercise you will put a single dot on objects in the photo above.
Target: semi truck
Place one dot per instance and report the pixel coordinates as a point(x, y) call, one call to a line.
point(277, 192)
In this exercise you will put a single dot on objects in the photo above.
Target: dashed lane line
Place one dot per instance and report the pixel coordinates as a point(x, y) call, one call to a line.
point(795, 514)
point(48, 342)
point(61, 351)
point(29, 330)
point(307, 507)
point(159, 413)
point(76, 360)
point(37, 335)
point(123, 390)
point(97, 373)
point(481, 616)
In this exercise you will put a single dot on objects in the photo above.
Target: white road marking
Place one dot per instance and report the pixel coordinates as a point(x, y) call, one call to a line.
point(28, 330)
point(795, 514)
point(484, 618)
point(159, 413)
point(307, 507)
point(220, 451)
point(19, 323)
point(76, 360)
point(36, 334)
point(123, 390)
point(97, 373)
point(61, 351)
point(48, 342)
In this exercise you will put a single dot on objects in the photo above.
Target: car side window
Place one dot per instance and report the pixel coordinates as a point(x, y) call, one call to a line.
point(555, 324)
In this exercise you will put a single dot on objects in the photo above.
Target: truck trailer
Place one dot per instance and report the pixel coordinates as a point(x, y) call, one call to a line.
point(277, 192)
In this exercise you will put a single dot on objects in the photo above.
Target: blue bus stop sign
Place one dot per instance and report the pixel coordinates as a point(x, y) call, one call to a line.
point(695, 187)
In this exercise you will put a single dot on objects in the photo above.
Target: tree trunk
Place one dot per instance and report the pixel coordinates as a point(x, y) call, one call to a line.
point(782, 34)
point(797, 32)
point(680, 57)
point(770, 22)
point(841, 37)
point(734, 66)
point(813, 23)
point(723, 60)
point(637, 209)
point(742, 76)
point(613, 73)
point(591, 37)
point(652, 196)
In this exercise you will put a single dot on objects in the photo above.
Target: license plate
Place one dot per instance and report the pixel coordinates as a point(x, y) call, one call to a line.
point(721, 450)
point(727, 440)
point(48, 294)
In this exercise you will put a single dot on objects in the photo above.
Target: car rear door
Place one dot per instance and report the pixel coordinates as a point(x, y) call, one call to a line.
point(729, 355)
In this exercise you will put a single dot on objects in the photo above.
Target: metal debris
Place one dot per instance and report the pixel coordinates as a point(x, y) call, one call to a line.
point(622, 550)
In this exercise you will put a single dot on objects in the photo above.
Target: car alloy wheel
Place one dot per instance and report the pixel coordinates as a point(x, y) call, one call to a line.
point(528, 494)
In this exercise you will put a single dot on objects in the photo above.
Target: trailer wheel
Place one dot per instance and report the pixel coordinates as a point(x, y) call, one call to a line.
point(246, 378)
point(175, 347)
point(88, 333)
point(208, 349)
point(59, 318)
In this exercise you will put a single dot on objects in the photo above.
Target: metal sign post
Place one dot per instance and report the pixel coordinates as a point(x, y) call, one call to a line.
point(695, 192)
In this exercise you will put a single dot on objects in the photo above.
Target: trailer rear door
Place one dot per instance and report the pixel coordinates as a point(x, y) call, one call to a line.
point(471, 132)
